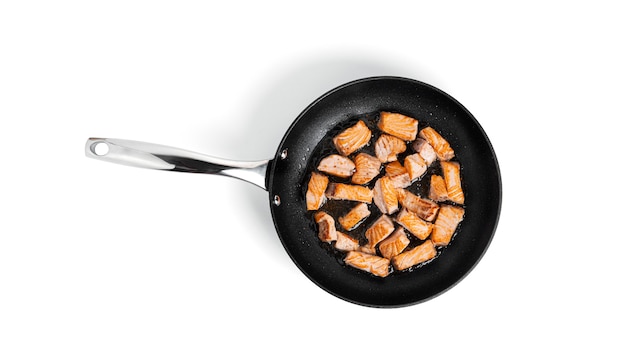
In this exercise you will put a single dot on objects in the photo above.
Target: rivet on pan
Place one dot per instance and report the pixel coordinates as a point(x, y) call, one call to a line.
point(276, 200)
point(283, 154)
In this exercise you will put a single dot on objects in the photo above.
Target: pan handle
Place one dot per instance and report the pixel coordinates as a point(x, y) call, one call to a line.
point(160, 157)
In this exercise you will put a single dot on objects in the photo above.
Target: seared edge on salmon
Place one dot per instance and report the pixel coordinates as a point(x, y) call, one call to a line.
point(325, 227)
point(419, 254)
point(398, 174)
point(341, 191)
point(425, 150)
point(346, 243)
point(367, 249)
point(440, 145)
point(385, 195)
point(410, 221)
point(337, 165)
point(354, 217)
point(371, 263)
point(452, 175)
point(315, 193)
point(367, 167)
point(424, 208)
point(379, 230)
point(447, 221)
point(352, 138)
point(438, 191)
point(415, 165)
point(398, 125)
point(388, 147)
point(394, 244)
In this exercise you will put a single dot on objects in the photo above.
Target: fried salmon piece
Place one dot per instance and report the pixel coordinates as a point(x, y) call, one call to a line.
point(385, 195)
point(352, 138)
point(346, 243)
point(367, 167)
point(354, 217)
point(415, 165)
point(371, 263)
point(341, 191)
point(325, 227)
point(367, 250)
point(398, 174)
point(379, 230)
point(319, 216)
point(394, 244)
point(452, 175)
point(388, 147)
point(447, 221)
point(440, 145)
point(398, 125)
point(315, 193)
point(337, 165)
point(438, 191)
point(424, 208)
point(425, 150)
point(410, 221)
point(419, 254)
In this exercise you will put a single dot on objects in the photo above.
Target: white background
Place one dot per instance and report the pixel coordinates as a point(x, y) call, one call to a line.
point(100, 257)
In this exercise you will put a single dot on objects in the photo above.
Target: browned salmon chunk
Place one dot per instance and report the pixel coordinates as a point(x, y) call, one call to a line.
point(440, 145)
point(410, 221)
point(371, 263)
point(379, 230)
point(394, 244)
point(346, 243)
point(315, 193)
point(354, 217)
point(337, 165)
point(452, 175)
point(352, 138)
point(325, 227)
point(367, 167)
point(319, 216)
point(425, 150)
point(385, 195)
point(342, 191)
point(415, 166)
point(398, 125)
point(419, 254)
point(388, 147)
point(367, 250)
point(447, 221)
point(438, 191)
point(398, 174)
point(424, 208)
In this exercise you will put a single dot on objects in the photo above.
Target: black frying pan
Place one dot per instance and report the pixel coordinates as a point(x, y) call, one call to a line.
point(285, 177)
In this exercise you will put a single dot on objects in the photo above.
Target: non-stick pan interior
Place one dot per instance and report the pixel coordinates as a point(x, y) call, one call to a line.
point(287, 179)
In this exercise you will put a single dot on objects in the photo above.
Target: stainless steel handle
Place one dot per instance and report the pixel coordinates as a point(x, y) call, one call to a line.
point(160, 157)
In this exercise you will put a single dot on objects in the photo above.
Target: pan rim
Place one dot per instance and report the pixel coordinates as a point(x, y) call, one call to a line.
point(496, 173)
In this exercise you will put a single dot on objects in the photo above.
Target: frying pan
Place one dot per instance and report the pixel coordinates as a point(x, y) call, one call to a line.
point(285, 178)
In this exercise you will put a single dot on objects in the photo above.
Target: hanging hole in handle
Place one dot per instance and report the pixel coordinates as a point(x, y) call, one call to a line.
point(100, 148)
